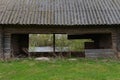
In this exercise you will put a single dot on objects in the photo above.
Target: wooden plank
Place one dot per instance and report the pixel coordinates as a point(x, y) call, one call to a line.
point(1, 43)
point(99, 53)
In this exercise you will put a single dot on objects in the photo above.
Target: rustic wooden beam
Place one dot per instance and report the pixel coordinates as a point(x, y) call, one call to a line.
point(117, 42)
point(2, 55)
point(53, 43)
point(1, 47)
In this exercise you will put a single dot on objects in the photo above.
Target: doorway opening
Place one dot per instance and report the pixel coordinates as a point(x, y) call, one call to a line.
point(101, 45)
point(46, 44)
point(75, 45)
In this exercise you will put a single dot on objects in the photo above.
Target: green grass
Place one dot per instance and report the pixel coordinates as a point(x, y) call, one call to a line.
point(82, 69)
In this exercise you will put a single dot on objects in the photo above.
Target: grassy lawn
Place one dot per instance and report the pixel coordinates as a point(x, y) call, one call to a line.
point(82, 69)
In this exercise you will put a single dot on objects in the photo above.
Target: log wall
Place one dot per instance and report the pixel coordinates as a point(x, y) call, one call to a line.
point(60, 30)
point(7, 45)
point(99, 53)
point(48, 30)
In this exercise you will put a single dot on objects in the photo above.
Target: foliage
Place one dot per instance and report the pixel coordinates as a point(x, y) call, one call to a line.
point(60, 40)
point(77, 45)
point(40, 40)
point(82, 69)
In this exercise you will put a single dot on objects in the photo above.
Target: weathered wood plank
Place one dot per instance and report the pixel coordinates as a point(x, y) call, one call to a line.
point(99, 53)
point(118, 42)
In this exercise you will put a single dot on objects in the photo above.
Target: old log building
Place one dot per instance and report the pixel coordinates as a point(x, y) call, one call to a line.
point(98, 20)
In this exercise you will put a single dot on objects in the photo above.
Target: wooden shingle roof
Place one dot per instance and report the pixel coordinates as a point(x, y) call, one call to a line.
point(60, 12)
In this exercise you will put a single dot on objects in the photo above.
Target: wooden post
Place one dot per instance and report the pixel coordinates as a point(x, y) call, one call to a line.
point(1, 43)
point(2, 56)
point(53, 43)
point(118, 44)
point(7, 45)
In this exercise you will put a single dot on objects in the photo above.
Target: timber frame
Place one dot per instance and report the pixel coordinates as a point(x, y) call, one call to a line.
point(6, 32)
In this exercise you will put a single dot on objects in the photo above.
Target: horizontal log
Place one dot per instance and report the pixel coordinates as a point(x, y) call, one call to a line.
point(99, 53)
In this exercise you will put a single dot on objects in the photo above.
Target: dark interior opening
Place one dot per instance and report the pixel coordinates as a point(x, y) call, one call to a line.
point(99, 41)
point(19, 42)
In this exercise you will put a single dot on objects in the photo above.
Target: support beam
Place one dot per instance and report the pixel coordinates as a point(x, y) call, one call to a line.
point(117, 41)
point(53, 43)
point(1, 43)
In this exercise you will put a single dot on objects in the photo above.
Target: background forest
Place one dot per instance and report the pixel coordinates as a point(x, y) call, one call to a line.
point(61, 41)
